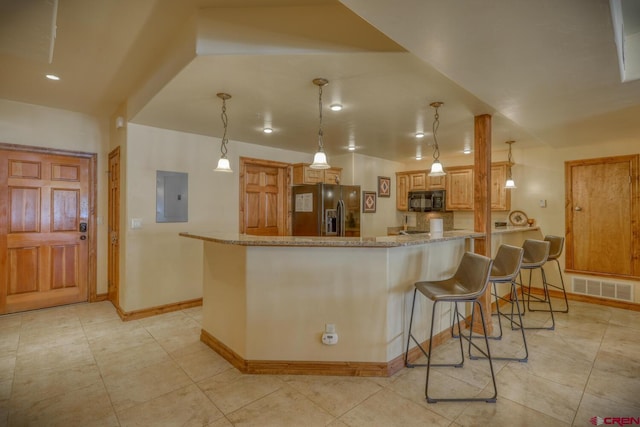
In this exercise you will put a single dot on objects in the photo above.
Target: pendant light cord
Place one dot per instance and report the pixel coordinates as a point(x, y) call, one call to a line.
point(436, 125)
point(320, 133)
point(225, 121)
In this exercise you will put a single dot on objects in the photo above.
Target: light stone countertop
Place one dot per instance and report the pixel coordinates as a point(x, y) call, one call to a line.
point(341, 242)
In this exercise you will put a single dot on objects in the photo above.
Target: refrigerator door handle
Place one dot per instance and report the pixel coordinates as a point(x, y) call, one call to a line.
point(341, 223)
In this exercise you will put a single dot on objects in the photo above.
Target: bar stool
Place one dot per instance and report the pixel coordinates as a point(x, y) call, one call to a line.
point(535, 255)
point(555, 251)
point(506, 266)
point(468, 284)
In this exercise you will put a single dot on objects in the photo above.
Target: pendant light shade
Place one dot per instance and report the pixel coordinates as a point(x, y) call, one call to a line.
point(510, 182)
point(320, 158)
point(223, 163)
point(436, 166)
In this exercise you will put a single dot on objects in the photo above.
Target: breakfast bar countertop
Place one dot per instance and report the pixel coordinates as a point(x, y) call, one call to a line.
point(333, 241)
point(330, 241)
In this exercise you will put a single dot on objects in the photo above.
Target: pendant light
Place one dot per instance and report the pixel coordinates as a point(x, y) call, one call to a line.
point(223, 163)
point(436, 166)
point(510, 183)
point(320, 158)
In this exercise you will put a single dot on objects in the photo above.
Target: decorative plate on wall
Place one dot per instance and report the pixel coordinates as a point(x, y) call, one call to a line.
point(518, 218)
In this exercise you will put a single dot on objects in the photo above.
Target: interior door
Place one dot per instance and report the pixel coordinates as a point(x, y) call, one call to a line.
point(264, 203)
point(600, 212)
point(114, 227)
point(44, 230)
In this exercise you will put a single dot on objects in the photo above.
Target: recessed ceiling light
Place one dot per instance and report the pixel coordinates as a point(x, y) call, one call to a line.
point(351, 148)
point(52, 77)
point(267, 130)
point(335, 107)
point(467, 151)
point(418, 157)
point(419, 134)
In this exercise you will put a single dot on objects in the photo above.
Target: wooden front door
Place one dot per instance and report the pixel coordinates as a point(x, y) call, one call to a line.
point(264, 203)
point(44, 230)
point(602, 221)
point(114, 227)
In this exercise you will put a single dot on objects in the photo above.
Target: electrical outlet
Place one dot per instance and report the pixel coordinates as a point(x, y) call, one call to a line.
point(329, 339)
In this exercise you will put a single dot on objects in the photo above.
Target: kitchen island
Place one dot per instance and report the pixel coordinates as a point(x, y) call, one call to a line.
point(268, 299)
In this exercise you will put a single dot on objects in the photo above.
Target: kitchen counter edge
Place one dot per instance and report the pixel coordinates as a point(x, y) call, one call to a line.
point(351, 242)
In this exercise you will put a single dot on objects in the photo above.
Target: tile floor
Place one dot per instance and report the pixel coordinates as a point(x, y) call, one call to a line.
point(80, 365)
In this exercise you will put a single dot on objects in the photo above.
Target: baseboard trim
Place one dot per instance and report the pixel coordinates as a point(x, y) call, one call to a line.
point(100, 298)
point(590, 299)
point(154, 311)
point(294, 367)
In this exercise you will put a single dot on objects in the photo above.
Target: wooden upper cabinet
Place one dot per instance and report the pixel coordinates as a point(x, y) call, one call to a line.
point(402, 191)
point(418, 180)
point(303, 174)
point(436, 182)
point(500, 196)
point(459, 187)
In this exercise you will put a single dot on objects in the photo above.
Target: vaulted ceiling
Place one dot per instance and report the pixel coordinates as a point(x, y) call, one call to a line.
point(546, 71)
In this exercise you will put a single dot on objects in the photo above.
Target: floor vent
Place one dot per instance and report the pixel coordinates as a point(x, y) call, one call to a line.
point(603, 288)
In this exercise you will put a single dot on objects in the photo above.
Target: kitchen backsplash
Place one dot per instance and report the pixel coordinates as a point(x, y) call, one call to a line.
point(422, 220)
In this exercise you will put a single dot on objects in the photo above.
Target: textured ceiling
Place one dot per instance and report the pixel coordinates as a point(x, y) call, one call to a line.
point(546, 71)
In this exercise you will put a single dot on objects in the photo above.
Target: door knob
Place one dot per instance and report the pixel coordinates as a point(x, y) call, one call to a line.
point(578, 208)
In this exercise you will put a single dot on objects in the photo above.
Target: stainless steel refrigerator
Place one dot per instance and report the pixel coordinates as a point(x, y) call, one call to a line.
point(326, 210)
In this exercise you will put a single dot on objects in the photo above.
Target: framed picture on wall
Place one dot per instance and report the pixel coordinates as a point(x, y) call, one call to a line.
point(368, 201)
point(384, 186)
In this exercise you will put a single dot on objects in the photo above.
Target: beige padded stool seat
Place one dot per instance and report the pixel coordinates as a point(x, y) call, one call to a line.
point(505, 269)
point(535, 255)
point(468, 284)
point(555, 250)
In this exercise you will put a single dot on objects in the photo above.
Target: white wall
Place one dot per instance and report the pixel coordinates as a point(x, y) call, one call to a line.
point(162, 267)
point(358, 169)
point(33, 125)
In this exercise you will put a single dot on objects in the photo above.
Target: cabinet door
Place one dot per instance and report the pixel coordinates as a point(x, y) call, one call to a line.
point(332, 176)
point(459, 189)
point(418, 181)
point(436, 182)
point(500, 196)
point(402, 192)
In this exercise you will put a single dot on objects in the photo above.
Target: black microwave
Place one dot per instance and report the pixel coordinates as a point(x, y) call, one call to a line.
point(426, 201)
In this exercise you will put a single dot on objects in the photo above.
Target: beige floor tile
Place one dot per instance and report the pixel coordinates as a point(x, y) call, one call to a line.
point(412, 387)
point(7, 366)
point(628, 318)
point(553, 399)
point(627, 365)
point(120, 340)
point(283, 407)
point(557, 367)
point(202, 364)
point(195, 313)
point(578, 344)
point(179, 339)
point(621, 340)
point(29, 389)
point(336, 395)
point(56, 357)
point(4, 413)
point(44, 339)
point(9, 342)
point(133, 359)
point(88, 406)
point(613, 386)
point(114, 327)
point(10, 322)
point(185, 407)
point(387, 408)
point(232, 390)
point(5, 389)
point(132, 388)
point(594, 406)
point(96, 313)
point(504, 413)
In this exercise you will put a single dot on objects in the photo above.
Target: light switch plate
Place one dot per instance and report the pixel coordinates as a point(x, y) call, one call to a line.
point(542, 203)
point(136, 223)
